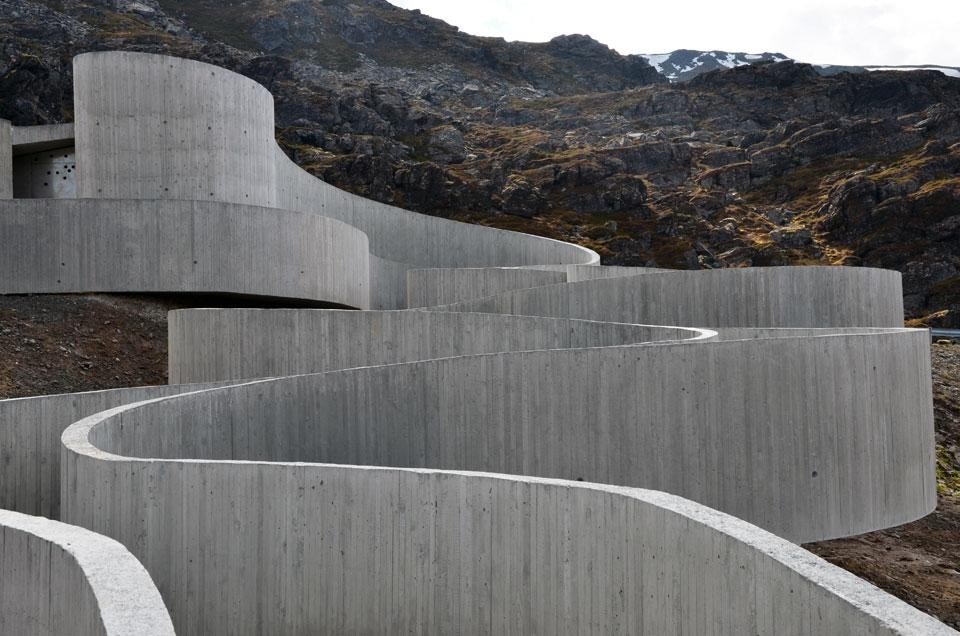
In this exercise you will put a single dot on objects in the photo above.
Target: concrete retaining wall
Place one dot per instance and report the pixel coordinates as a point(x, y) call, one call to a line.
point(179, 246)
point(57, 579)
point(754, 297)
point(210, 345)
point(233, 344)
point(341, 549)
point(30, 430)
point(808, 437)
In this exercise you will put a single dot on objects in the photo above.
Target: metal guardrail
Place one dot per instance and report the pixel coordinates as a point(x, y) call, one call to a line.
point(947, 334)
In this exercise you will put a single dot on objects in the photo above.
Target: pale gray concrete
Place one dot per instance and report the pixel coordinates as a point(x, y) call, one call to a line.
point(233, 344)
point(90, 245)
point(28, 139)
point(30, 430)
point(810, 437)
point(6, 160)
point(57, 579)
point(353, 549)
point(752, 297)
point(432, 287)
point(272, 507)
point(210, 345)
point(155, 127)
point(436, 286)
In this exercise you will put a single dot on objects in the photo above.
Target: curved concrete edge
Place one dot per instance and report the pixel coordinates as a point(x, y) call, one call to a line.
point(159, 127)
point(30, 430)
point(417, 240)
point(62, 579)
point(208, 345)
point(313, 341)
point(90, 245)
point(754, 297)
point(577, 273)
point(621, 559)
point(809, 437)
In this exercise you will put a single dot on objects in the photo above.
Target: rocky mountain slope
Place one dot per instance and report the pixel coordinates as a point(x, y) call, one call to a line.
point(685, 64)
point(762, 164)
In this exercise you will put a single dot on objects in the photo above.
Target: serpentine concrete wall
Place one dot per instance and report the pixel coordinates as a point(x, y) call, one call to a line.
point(57, 579)
point(753, 297)
point(30, 431)
point(337, 549)
point(212, 344)
point(766, 429)
point(338, 501)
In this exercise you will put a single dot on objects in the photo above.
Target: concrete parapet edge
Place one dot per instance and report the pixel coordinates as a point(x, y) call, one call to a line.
point(59, 579)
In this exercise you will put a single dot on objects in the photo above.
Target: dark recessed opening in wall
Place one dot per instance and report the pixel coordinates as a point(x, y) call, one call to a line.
point(44, 170)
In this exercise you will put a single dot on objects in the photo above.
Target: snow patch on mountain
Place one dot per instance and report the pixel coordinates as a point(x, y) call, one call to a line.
point(685, 64)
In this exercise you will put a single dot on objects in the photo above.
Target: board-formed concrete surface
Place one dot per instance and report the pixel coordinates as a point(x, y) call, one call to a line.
point(210, 345)
point(154, 127)
point(594, 404)
point(752, 297)
point(766, 429)
point(327, 548)
point(29, 139)
point(97, 245)
point(61, 580)
point(6, 159)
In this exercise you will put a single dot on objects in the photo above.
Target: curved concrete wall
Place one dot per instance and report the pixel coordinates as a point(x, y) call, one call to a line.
point(377, 550)
point(808, 432)
point(156, 127)
point(228, 344)
point(755, 297)
point(213, 344)
point(180, 246)
point(30, 430)
point(808, 437)
point(57, 579)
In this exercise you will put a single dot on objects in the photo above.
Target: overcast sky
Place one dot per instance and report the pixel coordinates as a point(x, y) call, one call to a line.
point(818, 31)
